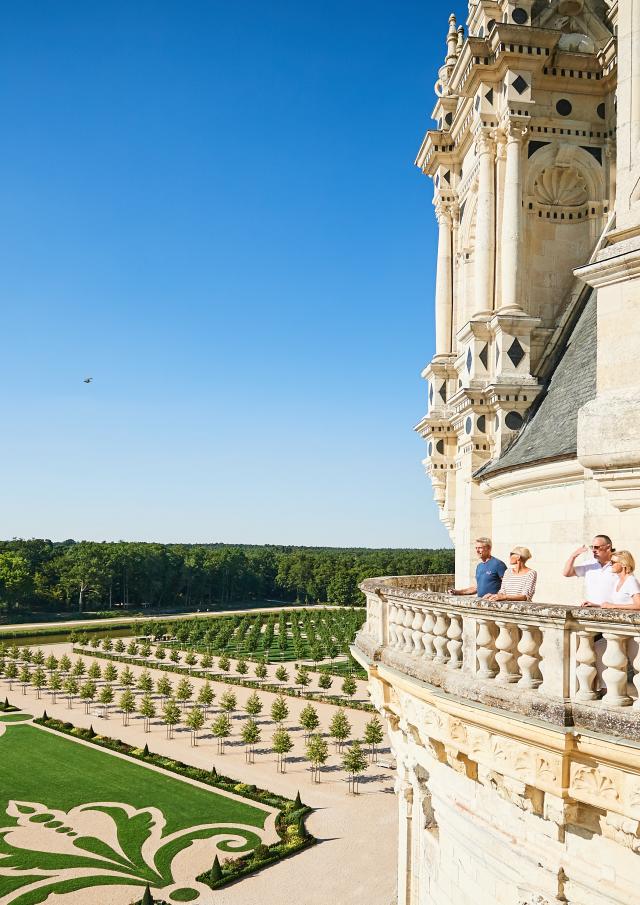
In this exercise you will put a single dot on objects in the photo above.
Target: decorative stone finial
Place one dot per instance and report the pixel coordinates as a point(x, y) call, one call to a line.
point(460, 38)
point(452, 40)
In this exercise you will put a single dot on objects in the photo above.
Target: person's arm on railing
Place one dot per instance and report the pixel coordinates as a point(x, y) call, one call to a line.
point(569, 567)
point(463, 592)
point(634, 605)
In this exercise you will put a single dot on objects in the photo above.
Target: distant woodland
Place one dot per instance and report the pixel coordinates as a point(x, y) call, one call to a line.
point(40, 575)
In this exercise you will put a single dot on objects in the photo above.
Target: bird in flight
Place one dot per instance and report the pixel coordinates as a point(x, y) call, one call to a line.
point(88, 379)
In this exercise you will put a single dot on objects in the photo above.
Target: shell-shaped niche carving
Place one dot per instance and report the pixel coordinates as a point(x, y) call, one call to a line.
point(560, 187)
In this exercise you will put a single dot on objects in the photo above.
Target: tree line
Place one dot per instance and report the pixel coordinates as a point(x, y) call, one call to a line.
point(43, 575)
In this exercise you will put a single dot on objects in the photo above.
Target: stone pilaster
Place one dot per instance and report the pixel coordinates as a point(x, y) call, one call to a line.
point(486, 223)
point(444, 280)
point(514, 130)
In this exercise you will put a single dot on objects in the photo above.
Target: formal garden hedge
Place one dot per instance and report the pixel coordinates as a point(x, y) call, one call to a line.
point(290, 822)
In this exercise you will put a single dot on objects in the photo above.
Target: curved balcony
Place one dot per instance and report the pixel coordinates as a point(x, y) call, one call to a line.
point(563, 665)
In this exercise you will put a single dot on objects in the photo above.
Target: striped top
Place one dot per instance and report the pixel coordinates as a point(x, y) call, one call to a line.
point(523, 584)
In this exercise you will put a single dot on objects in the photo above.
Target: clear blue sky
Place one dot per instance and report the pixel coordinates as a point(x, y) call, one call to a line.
point(211, 208)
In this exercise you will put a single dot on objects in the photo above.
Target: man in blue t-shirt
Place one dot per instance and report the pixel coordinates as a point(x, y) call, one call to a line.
point(489, 572)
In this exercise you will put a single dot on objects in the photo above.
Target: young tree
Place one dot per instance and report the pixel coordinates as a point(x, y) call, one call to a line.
point(55, 684)
point(145, 650)
point(317, 752)
point(163, 687)
point(184, 692)
point(373, 735)
point(281, 674)
point(11, 673)
point(242, 667)
point(302, 677)
point(147, 709)
point(145, 682)
point(325, 680)
point(261, 670)
point(309, 719)
point(127, 705)
point(107, 644)
point(132, 648)
point(171, 715)
point(224, 663)
point(24, 677)
point(94, 642)
point(110, 673)
point(65, 664)
point(279, 710)
point(105, 698)
point(161, 652)
point(26, 655)
point(206, 661)
point(221, 728)
point(51, 663)
point(282, 745)
point(339, 728)
point(205, 697)
point(39, 680)
point(354, 763)
point(195, 722)
point(349, 686)
point(228, 702)
point(127, 678)
point(175, 656)
point(253, 705)
point(94, 672)
point(79, 668)
point(87, 693)
point(250, 736)
point(38, 657)
point(119, 646)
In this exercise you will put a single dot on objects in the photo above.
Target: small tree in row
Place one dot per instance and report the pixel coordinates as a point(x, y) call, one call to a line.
point(282, 745)
point(317, 752)
point(250, 736)
point(147, 710)
point(195, 722)
point(354, 763)
point(221, 728)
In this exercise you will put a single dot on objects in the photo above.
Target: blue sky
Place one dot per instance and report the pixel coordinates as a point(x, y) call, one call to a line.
point(212, 209)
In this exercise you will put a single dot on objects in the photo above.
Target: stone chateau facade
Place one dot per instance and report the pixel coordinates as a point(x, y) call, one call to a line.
point(533, 384)
point(516, 727)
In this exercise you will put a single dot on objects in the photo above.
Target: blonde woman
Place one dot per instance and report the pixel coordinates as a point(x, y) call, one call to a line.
point(519, 581)
point(626, 590)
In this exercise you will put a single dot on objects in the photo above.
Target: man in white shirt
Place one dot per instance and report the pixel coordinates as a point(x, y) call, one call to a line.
point(599, 579)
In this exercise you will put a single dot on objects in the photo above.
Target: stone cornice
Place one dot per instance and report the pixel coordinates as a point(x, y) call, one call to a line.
point(558, 473)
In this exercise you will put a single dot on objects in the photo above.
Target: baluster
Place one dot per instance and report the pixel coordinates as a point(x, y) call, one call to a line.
point(636, 667)
point(428, 636)
point(454, 633)
point(615, 674)
point(505, 646)
point(416, 631)
point(485, 650)
point(408, 639)
point(391, 625)
point(586, 671)
point(440, 640)
point(528, 661)
point(399, 626)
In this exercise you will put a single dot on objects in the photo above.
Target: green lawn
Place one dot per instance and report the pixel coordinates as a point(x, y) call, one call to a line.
point(50, 778)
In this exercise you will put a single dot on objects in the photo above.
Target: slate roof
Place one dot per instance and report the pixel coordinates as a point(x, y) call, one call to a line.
point(550, 431)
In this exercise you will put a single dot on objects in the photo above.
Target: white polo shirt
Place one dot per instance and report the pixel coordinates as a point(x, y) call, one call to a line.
point(599, 581)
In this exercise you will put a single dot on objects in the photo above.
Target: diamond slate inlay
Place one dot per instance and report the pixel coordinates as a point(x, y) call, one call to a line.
point(469, 360)
point(489, 96)
point(520, 85)
point(484, 356)
point(430, 394)
point(443, 392)
point(515, 352)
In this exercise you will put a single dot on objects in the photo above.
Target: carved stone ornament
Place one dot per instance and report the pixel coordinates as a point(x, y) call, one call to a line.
point(595, 783)
point(560, 186)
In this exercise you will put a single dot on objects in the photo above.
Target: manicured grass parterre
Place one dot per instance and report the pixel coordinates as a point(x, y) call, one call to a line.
point(88, 811)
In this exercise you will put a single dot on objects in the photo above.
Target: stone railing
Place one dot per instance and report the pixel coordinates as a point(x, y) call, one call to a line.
point(566, 665)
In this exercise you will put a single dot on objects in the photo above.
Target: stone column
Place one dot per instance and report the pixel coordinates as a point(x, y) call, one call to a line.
point(501, 157)
point(444, 281)
point(405, 839)
point(485, 224)
point(512, 215)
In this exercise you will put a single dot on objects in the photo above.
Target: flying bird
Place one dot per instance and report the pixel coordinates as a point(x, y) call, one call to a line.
point(88, 379)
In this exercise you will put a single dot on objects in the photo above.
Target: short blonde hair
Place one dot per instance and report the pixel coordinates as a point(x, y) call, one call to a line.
point(523, 552)
point(485, 541)
point(625, 558)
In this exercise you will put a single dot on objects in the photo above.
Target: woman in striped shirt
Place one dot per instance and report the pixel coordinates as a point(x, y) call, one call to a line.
point(519, 581)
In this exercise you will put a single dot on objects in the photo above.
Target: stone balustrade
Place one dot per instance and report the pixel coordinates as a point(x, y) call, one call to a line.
point(565, 665)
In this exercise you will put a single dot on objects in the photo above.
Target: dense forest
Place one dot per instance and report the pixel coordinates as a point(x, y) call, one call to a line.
point(40, 575)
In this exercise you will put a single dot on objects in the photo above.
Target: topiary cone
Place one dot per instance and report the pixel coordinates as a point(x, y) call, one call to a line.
point(215, 874)
point(147, 898)
point(44, 716)
point(298, 801)
point(145, 750)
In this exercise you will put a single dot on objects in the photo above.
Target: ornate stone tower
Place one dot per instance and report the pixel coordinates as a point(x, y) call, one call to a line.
point(524, 174)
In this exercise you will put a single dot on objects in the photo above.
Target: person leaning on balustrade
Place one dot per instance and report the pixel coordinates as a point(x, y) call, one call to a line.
point(489, 572)
point(597, 572)
point(519, 581)
point(626, 591)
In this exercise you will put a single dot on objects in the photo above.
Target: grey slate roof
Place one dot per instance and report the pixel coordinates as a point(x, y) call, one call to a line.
point(550, 431)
